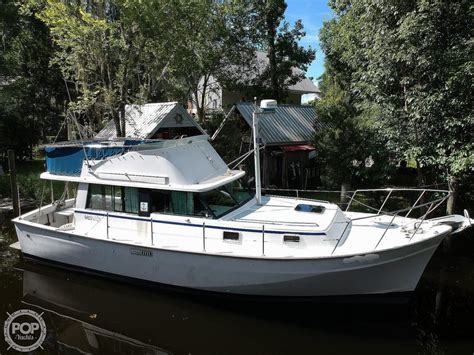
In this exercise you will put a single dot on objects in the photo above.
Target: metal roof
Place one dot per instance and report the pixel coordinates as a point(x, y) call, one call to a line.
point(289, 124)
point(142, 121)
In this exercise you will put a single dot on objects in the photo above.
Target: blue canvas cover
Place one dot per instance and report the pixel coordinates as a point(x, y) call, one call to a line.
point(67, 160)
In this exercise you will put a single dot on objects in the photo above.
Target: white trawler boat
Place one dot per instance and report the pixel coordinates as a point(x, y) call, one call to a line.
point(172, 212)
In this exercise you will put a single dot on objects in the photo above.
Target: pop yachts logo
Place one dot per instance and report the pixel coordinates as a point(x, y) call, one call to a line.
point(24, 330)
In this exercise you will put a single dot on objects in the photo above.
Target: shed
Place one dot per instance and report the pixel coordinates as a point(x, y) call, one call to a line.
point(288, 159)
point(164, 120)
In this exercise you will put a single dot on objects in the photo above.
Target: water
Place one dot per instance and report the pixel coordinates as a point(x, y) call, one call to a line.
point(88, 314)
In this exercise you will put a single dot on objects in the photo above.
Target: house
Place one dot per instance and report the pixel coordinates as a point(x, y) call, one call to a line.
point(288, 157)
point(219, 98)
point(164, 120)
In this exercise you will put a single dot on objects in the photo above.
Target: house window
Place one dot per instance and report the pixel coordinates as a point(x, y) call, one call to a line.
point(112, 198)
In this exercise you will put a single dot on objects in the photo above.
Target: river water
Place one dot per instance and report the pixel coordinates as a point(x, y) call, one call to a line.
point(89, 314)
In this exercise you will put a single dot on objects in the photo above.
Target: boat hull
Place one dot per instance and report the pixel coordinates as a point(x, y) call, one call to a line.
point(394, 270)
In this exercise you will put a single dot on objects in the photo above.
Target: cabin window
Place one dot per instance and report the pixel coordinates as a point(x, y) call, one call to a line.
point(219, 201)
point(182, 202)
point(177, 202)
point(239, 192)
point(112, 198)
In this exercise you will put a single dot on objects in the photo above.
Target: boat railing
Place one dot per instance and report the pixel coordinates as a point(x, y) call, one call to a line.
point(378, 211)
point(108, 216)
point(431, 205)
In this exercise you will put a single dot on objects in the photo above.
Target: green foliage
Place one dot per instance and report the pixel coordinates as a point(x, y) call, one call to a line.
point(288, 61)
point(228, 142)
point(349, 147)
point(129, 51)
point(413, 61)
point(105, 54)
point(31, 90)
point(217, 44)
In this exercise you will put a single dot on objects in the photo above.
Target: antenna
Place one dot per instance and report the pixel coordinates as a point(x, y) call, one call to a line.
point(74, 119)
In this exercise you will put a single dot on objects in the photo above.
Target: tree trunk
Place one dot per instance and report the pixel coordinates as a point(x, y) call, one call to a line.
point(122, 120)
point(201, 101)
point(272, 61)
point(419, 174)
point(345, 187)
point(118, 131)
point(453, 199)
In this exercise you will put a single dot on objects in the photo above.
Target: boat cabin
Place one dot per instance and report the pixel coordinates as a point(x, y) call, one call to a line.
point(128, 190)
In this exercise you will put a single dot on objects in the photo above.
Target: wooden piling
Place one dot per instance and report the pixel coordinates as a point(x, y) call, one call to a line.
point(13, 183)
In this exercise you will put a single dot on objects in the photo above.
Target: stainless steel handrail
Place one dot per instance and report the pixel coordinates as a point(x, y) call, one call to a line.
point(204, 236)
point(433, 206)
point(385, 231)
point(400, 211)
point(385, 201)
point(342, 236)
point(151, 230)
point(418, 199)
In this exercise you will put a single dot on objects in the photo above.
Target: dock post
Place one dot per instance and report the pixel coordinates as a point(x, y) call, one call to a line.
point(13, 183)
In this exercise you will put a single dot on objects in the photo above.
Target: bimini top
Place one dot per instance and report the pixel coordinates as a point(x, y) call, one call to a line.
point(65, 158)
point(188, 164)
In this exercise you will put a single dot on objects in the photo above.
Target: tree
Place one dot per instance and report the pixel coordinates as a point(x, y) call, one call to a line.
point(349, 146)
point(32, 92)
point(104, 55)
point(413, 61)
point(288, 61)
point(218, 46)
point(129, 51)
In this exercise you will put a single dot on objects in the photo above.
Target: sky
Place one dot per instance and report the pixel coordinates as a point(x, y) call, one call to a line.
point(313, 13)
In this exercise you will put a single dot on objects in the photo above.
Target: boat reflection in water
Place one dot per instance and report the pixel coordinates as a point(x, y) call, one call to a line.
point(86, 314)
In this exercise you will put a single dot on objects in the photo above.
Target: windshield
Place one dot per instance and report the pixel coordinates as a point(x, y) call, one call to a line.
point(226, 198)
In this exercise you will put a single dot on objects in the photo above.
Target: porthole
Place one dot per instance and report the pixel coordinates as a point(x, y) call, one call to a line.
point(291, 238)
point(231, 235)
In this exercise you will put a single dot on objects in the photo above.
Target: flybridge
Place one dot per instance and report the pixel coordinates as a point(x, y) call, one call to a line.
point(188, 164)
point(67, 158)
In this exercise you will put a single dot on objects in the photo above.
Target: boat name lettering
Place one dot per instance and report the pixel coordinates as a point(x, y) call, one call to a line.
point(142, 252)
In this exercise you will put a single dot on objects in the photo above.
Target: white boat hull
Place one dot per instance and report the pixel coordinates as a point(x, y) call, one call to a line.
point(394, 270)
